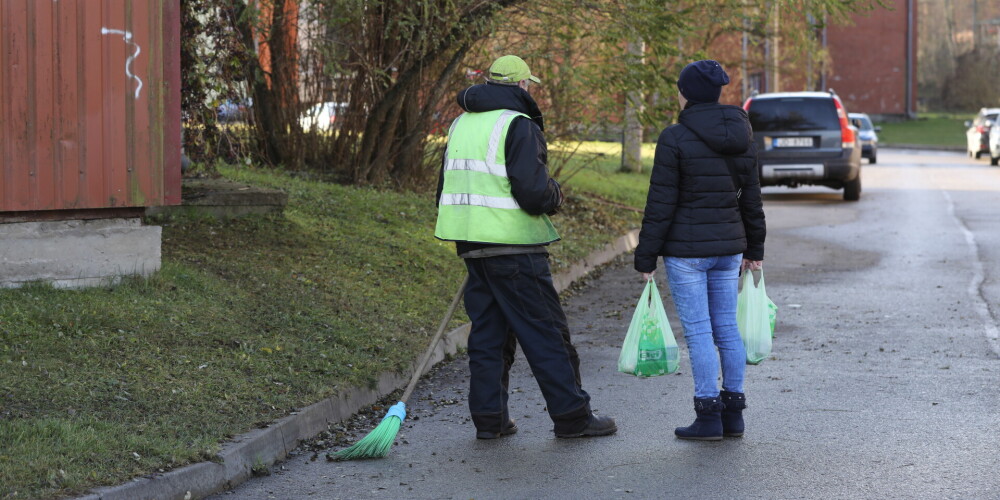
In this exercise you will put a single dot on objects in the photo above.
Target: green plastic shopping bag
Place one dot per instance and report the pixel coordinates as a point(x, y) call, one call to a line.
point(649, 348)
point(755, 316)
point(772, 314)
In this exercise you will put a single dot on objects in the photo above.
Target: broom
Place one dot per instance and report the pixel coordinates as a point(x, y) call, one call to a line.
point(377, 443)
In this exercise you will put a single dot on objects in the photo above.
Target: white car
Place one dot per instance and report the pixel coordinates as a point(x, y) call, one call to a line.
point(322, 116)
point(978, 131)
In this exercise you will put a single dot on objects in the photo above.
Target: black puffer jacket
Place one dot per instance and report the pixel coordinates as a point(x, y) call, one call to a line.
point(692, 209)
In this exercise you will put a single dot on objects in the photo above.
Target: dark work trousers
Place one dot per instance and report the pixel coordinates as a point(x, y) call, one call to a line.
point(510, 350)
point(514, 293)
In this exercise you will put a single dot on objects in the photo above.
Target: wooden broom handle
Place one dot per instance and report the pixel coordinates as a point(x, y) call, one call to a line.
point(434, 341)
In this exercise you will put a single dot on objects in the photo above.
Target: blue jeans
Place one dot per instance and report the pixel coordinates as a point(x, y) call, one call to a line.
point(704, 291)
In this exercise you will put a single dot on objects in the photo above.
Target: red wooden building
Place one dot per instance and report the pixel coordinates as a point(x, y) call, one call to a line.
point(89, 114)
point(89, 111)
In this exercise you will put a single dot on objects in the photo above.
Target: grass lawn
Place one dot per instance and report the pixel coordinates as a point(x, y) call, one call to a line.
point(596, 171)
point(246, 321)
point(929, 128)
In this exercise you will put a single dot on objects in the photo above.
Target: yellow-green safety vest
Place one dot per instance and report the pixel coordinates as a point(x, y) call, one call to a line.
point(476, 201)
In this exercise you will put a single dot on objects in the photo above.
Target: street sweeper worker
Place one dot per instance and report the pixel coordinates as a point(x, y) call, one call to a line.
point(494, 201)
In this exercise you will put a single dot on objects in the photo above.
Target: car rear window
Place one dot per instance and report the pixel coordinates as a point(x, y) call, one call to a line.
point(866, 124)
point(793, 113)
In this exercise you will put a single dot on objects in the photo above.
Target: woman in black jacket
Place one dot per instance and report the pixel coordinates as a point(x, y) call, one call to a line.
point(705, 217)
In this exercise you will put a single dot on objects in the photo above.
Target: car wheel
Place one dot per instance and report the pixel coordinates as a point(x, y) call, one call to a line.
point(852, 189)
point(872, 159)
point(994, 160)
point(976, 155)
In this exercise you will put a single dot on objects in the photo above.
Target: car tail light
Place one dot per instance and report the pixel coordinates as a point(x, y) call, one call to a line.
point(746, 105)
point(846, 133)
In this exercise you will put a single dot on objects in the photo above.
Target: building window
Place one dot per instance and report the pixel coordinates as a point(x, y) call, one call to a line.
point(755, 82)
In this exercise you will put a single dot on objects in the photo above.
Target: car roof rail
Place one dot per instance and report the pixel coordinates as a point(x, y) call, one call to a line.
point(754, 92)
point(830, 90)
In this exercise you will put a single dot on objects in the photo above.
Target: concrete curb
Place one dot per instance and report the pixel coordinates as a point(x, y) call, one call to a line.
point(264, 447)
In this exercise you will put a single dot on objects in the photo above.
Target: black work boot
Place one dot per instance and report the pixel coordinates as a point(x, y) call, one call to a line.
point(596, 426)
point(707, 425)
point(732, 415)
point(506, 429)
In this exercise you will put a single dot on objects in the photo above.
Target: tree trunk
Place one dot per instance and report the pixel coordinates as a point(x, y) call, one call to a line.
point(388, 144)
point(632, 133)
point(275, 87)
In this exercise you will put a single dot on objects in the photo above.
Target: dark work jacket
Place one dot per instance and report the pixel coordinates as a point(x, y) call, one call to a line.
point(692, 209)
point(525, 150)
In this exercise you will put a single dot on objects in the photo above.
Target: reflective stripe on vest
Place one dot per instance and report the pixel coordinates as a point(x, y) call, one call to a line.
point(476, 201)
point(479, 201)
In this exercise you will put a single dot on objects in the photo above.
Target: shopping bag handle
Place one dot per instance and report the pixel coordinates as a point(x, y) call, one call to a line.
point(649, 291)
point(757, 274)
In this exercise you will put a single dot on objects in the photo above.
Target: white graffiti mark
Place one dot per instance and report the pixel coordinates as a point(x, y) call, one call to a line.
point(127, 36)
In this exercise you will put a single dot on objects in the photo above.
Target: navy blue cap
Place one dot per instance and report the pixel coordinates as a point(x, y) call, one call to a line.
point(702, 81)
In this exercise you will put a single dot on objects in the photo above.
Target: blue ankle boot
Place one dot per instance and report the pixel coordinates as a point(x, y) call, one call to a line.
point(732, 415)
point(707, 425)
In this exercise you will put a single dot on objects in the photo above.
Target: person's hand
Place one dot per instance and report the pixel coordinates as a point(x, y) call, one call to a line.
point(562, 197)
point(648, 276)
point(753, 265)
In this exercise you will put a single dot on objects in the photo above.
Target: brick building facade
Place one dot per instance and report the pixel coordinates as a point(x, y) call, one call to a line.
point(874, 62)
point(871, 63)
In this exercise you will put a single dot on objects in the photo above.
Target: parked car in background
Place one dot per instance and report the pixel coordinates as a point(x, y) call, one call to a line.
point(805, 138)
point(994, 145)
point(234, 111)
point(322, 116)
point(867, 135)
point(978, 133)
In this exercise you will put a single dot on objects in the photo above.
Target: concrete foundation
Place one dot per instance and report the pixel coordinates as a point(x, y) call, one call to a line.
point(222, 199)
point(77, 253)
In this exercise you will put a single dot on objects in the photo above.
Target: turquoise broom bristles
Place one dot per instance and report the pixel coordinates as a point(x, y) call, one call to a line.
point(377, 443)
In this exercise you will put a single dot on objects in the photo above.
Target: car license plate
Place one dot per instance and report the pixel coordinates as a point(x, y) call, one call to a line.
point(793, 142)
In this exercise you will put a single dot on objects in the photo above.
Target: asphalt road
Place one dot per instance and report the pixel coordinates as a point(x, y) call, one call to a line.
point(882, 383)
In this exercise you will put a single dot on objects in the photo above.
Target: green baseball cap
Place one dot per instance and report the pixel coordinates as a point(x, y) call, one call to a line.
point(511, 69)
